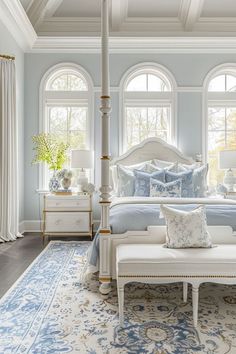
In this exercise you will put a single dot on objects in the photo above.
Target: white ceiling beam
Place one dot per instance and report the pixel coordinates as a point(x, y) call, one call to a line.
point(119, 9)
point(39, 9)
point(52, 7)
point(13, 15)
point(189, 13)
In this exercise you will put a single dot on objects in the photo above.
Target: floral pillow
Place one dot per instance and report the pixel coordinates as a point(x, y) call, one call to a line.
point(142, 181)
point(199, 177)
point(160, 189)
point(186, 229)
point(187, 181)
point(124, 178)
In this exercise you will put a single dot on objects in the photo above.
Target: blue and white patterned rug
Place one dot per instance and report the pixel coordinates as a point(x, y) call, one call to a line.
point(49, 311)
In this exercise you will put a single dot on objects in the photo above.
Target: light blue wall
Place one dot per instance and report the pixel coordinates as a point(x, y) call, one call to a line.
point(9, 46)
point(188, 70)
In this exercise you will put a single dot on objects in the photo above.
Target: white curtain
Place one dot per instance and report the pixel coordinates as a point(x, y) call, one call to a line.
point(9, 201)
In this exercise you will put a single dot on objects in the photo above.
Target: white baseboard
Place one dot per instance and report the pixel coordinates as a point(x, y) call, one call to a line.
point(36, 225)
point(30, 226)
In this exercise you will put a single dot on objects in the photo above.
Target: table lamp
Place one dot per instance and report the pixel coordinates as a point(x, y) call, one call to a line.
point(82, 159)
point(227, 161)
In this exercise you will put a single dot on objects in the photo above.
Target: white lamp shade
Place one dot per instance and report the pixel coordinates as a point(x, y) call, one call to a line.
point(81, 159)
point(227, 159)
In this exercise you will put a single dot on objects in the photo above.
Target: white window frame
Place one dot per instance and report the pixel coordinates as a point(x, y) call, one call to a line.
point(154, 99)
point(73, 98)
point(211, 98)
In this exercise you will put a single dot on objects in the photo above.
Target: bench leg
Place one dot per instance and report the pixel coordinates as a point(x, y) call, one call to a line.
point(121, 304)
point(185, 291)
point(195, 296)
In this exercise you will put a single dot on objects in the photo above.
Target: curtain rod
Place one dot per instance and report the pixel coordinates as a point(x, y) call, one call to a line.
point(8, 57)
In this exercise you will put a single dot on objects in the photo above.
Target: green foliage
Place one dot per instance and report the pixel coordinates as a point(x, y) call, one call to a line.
point(50, 150)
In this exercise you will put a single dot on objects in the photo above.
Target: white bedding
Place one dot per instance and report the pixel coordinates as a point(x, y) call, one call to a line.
point(154, 200)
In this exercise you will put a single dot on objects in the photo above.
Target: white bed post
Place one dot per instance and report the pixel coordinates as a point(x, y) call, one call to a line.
point(104, 271)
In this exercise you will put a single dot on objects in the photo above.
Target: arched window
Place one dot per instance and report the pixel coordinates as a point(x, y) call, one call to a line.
point(148, 100)
point(66, 108)
point(220, 122)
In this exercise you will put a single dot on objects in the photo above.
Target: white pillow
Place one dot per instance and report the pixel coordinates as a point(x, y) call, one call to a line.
point(186, 229)
point(114, 174)
point(162, 164)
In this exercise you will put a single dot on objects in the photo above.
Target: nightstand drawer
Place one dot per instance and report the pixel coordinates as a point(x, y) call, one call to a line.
point(67, 222)
point(60, 203)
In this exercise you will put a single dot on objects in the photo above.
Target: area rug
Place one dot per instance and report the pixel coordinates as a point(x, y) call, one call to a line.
point(49, 310)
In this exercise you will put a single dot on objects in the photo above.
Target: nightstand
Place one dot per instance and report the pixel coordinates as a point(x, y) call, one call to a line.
point(67, 215)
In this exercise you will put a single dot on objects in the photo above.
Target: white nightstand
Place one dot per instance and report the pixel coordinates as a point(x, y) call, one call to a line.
point(67, 215)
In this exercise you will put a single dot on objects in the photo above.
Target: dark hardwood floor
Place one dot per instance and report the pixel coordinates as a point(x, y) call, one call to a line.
point(16, 256)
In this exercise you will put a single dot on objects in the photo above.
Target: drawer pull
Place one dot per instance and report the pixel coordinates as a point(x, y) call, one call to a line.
point(78, 203)
point(77, 222)
point(57, 203)
point(57, 222)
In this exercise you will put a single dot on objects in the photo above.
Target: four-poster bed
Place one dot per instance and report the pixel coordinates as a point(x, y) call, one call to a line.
point(131, 230)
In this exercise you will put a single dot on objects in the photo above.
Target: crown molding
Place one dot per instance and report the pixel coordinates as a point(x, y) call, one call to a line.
point(136, 45)
point(15, 19)
point(69, 26)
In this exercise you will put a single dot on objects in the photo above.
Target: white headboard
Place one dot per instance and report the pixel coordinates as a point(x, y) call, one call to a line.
point(152, 148)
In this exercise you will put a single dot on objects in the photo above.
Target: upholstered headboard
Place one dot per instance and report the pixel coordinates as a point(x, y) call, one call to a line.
point(149, 149)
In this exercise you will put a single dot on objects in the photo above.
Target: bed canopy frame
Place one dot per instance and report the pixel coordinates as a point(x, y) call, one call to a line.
point(147, 150)
point(105, 115)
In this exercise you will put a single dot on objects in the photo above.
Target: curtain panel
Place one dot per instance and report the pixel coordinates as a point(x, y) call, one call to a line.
point(9, 200)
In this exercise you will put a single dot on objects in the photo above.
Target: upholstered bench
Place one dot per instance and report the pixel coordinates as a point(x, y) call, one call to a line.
point(157, 264)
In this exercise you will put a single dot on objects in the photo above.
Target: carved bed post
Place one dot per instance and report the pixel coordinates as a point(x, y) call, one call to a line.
point(104, 271)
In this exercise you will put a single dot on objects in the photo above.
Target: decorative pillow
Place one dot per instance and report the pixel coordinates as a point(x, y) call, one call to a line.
point(150, 168)
point(199, 178)
point(125, 183)
point(160, 189)
point(200, 181)
point(142, 181)
point(186, 229)
point(124, 178)
point(162, 163)
point(175, 167)
point(187, 181)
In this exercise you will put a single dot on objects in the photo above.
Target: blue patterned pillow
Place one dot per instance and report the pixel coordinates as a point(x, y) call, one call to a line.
point(142, 181)
point(199, 178)
point(187, 182)
point(160, 189)
point(123, 177)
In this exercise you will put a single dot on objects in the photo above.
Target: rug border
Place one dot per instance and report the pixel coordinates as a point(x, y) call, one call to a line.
point(26, 271)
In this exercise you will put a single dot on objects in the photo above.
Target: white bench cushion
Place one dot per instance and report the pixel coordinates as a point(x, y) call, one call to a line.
point(155, 259)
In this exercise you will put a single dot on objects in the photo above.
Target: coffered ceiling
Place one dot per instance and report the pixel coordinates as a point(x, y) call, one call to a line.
point(154, 18)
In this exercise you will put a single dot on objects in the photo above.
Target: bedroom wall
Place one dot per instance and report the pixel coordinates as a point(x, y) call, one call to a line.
point(9, 46)
point(189, 71)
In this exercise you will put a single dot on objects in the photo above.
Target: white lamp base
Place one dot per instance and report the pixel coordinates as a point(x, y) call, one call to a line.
point(82, 180)
point(229, 180)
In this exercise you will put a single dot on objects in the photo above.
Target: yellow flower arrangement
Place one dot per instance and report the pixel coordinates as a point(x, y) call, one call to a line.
point(49, 149)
